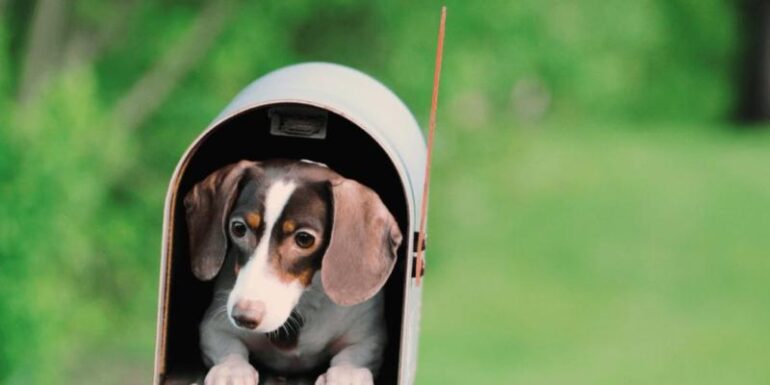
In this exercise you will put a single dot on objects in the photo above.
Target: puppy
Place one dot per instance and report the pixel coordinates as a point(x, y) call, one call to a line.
point(300, 255)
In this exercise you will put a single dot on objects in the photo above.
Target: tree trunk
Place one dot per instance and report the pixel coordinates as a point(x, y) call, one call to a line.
point(152, 89)
point(754, 101)
point(43, 48)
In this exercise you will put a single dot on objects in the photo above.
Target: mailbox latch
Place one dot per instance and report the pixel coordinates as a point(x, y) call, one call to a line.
point(416, 249)
point(298, 121)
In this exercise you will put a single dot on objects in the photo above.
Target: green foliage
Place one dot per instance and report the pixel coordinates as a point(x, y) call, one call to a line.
point(641, 60)
point(60, 169)
point(570, 242)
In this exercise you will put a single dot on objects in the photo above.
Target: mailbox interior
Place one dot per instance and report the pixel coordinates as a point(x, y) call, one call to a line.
point(347, 149)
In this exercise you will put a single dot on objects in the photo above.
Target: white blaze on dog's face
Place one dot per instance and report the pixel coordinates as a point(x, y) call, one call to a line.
point(278, 229)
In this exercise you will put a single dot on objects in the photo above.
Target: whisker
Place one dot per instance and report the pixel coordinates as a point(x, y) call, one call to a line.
point(221, 295)
point(300, 317)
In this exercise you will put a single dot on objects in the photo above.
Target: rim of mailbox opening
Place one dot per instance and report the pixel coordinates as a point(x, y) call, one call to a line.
point(321, 112)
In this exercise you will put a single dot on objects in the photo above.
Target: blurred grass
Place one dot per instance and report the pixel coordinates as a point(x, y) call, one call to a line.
point(598, 255)
point(594, 216)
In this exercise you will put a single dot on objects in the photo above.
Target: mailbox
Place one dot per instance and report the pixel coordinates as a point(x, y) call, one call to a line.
point(321, 112)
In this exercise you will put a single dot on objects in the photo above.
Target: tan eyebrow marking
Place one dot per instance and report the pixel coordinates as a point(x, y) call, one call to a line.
point(254, 220)
point(289, 226)
point(304, 276)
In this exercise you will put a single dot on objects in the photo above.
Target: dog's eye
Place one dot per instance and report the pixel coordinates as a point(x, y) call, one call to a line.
point(304, 239)
point(238, 228)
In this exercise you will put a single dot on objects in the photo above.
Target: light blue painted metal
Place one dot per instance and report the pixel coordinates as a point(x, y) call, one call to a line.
point(373, 108)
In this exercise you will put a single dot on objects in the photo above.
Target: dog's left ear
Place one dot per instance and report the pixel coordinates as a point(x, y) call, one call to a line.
point(362, 248)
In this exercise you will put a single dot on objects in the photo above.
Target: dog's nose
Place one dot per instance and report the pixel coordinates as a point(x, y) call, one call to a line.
point(248, 313)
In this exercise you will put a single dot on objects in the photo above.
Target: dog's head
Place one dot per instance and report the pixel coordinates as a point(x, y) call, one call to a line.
point(282, 221)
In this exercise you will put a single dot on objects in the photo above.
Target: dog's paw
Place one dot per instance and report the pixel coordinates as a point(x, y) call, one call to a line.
point(346, 375)
point(232, 371)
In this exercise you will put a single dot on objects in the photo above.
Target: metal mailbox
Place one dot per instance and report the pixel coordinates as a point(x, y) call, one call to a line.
point(320, 112)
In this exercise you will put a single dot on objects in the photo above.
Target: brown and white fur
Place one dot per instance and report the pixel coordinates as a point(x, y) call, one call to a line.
point(300, 255)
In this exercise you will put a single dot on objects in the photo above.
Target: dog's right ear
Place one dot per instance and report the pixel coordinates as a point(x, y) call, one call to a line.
point(363, 244)
point(207, 207)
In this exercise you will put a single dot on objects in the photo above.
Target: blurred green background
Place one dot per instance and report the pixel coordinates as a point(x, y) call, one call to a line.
point(599, 213)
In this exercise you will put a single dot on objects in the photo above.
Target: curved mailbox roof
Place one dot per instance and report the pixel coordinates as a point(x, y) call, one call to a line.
point(355, 96)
